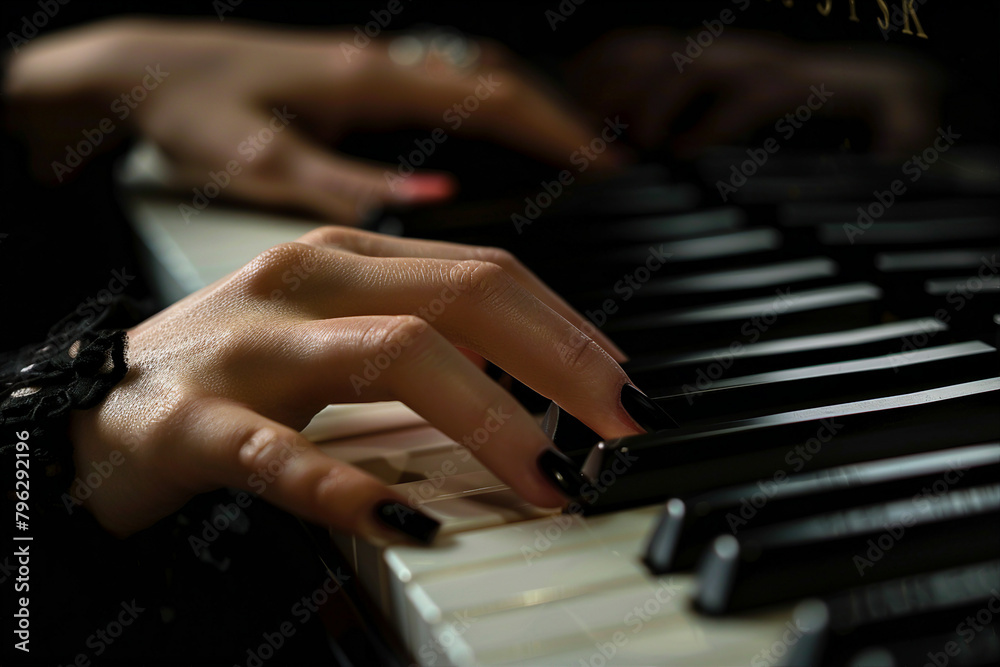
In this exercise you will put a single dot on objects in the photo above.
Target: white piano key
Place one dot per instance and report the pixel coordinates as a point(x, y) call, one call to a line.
point(513, 586)
point(471, 501)
point(343, 421)
point(486, 548)
point(645, 624)
point(428, 585)
point(461, 502)
point(404, 455)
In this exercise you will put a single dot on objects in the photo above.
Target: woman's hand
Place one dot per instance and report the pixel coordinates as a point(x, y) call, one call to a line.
point(269, 103)
point(653, 78)
point(220, 383)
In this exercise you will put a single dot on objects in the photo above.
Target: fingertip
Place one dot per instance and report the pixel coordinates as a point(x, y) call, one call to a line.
point(643, 410)
point(354, 502)
point(561, 473)
point(406, 520)
point(542, 493)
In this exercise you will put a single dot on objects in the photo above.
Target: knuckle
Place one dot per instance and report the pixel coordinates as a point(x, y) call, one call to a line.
point(497, 256)
point(263, 449)
point(265, 271)
point(281, 256)
point(580, 354)
point(398, 330)
point(484, 281)
point(334, 235)
point(329, 488)
point(326, 492)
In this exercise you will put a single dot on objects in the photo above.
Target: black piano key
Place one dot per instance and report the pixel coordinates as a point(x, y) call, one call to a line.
point(784, 313)
point(964, 286)
point(632, 176)
point(767, 275)
point(654, 467)
point(810, 214)
point(748, 396)
point(702, 367)
point(967, 302)
point(622, 199)
point(904, 274)
point(829, 552)
point(944, 232)
point(926, 611)
point(674, 292)
point(664, 227)
point(713, 249)
point(592, 240)
point(922, 263)
point(857, 248)
point(608, 266)
point(942, 650)
point(630, 208)
point(793, 178)
point(688, 525)
point(913, 281)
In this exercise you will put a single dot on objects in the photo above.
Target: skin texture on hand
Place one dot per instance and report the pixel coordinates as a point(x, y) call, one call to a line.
point(220, 383)
point(275, 102)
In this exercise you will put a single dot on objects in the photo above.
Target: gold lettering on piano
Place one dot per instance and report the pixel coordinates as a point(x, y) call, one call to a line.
point(889, 15)
point(884, 21)
point(909, 11)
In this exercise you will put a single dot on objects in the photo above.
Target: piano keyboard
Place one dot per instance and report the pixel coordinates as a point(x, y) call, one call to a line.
point(831, 496)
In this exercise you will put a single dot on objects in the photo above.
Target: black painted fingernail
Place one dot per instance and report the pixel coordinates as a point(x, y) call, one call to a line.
point(562, 472)
point(407, 520)
point(644, 411)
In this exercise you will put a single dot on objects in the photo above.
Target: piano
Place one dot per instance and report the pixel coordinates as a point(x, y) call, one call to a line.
point(827, 345)
point(831, 495)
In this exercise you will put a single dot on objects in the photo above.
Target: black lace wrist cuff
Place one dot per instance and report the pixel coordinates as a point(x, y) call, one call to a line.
point(39, 387)
point(53, 381)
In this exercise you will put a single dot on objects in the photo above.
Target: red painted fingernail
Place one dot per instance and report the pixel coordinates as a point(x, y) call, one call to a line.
point(420, 188)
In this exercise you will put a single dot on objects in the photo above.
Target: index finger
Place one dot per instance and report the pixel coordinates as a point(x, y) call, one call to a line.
point(495, 102)
point(378, 245)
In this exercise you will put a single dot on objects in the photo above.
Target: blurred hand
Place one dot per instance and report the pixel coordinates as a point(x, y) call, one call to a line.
point(220, 383)
point(274, 101)
point(754, 79)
